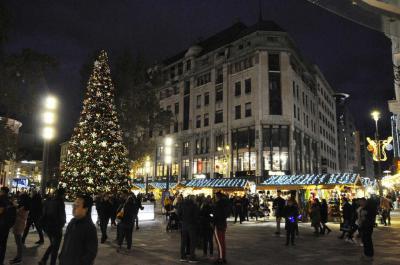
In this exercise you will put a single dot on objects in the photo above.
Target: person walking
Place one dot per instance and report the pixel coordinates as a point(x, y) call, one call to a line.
point(238, 204)
point(324, 217)
point(35, 214)
point(347, 216)
point(291, 213)
point(7, 220)
point(138, 206)
point(80, 239)
point(53, 221)
point(105, 208)
point(221, 211)
point(315, 215)
point(125, 227)
point(278, 205)
point(22, 213)
point(368, 214)
point(245, 206)
point(206, 228)
point(188, 213)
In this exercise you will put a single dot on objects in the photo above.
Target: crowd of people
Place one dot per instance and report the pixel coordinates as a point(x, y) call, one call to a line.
point(202, 220)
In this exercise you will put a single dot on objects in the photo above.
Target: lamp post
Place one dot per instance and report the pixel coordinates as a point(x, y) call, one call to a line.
point(375, 116)
point(168, 158)
point(48, 132)
point(147, 169)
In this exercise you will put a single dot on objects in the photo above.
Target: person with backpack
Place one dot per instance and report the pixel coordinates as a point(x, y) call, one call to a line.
point(7, 220)
point(53, 221)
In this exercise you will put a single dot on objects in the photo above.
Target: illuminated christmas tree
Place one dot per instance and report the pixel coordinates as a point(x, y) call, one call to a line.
point(97, 159)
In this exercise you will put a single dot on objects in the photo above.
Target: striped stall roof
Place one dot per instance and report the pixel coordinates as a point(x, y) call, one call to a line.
point(162, 185)
point(217, 183)
point(309, 179)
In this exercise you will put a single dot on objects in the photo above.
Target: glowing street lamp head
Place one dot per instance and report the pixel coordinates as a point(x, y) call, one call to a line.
point(49, 117)
point(50, 102)
point(48, 133)
point(375, 115)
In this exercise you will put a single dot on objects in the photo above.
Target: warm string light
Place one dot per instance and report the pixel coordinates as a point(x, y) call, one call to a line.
point(217, 183)
point(96, 160)
point(309, 179)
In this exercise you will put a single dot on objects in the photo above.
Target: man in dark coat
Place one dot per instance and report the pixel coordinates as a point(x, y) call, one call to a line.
point(35, 214)
point(80, 240)
point(105, 208)
point(53, 221)
point(367, 227)
point(278, 205)
point(188, 213)
point(291, 213)
point(125, 227)
point(7, 220)
point(347, 212)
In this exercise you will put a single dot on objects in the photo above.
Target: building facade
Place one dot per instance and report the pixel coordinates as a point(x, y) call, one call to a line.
point(348, 152)
point(246, 103)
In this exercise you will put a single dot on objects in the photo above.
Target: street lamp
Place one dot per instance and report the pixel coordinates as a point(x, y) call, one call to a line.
point(168, 157)
point(375, 116)
point(48, 132)
point(147, 169)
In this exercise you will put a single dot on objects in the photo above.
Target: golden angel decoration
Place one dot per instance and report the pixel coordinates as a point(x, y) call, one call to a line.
point(378, 148)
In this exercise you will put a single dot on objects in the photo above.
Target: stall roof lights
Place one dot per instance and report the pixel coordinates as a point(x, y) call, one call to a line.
point(310, 179)
point(217, 183)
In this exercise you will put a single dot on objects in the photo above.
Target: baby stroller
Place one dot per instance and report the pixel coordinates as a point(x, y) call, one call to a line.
point(173, 222)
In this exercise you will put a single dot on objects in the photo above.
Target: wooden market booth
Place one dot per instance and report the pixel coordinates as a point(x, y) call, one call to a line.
point(211, 186)
point(322, 186)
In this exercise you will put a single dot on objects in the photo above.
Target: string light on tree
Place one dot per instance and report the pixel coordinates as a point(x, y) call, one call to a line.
point(100, 163)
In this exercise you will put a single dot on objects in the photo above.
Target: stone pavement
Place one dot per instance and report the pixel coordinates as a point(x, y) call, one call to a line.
point(249, 243)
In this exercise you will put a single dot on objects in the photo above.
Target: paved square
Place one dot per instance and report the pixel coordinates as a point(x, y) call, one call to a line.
point(249, 243)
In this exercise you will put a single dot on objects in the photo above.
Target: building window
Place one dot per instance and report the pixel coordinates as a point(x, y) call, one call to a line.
point(219, 142)
point(180, 68)
point(198, 121)
point(188, 65)
point(206, 119)
point(247, 86)
point(198, 101)
point(169, 108)
point(175, 127)
point(198, 146)
point(238, 89)
point(294, 89)
point(219, 94)
point(238, 111)
point(187, 87)
point(275, 97)
point(294, 111)
point(247, 109)
point(219, 76)
point(176, 108)
point(203, 79)
point(206, 99)
point(219, 116)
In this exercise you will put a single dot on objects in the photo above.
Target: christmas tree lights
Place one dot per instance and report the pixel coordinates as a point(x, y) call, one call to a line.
point(96, 157)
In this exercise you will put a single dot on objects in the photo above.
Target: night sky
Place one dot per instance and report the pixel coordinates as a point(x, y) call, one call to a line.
point(354, 59)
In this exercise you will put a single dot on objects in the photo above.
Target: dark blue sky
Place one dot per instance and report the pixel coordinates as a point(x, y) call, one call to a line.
point(354, 59)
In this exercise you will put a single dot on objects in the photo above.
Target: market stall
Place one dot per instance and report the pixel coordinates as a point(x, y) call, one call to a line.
point(211, 186)
point(322, 186)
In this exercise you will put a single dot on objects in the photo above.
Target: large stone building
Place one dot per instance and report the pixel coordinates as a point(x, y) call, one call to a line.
point(246, 103)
